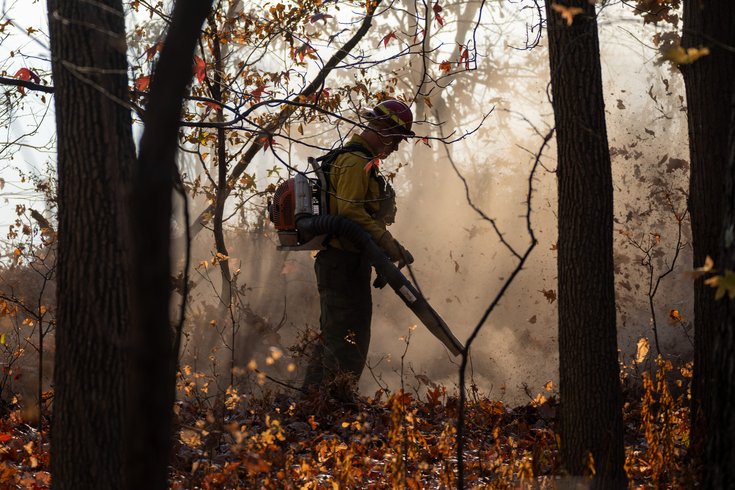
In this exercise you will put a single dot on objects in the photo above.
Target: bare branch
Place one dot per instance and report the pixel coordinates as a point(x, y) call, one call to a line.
point(489, 310)
point(284, 114)
point(26, 84)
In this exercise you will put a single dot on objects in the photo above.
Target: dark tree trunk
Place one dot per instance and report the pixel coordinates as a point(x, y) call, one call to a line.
point(95, 153)
point(153, 367)
point(720, 449)
point(709, 83)
point(591, 415)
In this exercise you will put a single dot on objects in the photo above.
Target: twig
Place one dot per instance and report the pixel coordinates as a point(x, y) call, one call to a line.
point(490, 308)
point(286, 112)
point(26, 84)
point(185, 277)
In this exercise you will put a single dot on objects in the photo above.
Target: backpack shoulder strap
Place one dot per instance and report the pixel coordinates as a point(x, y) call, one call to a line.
point(328, 158)
point(325, 164)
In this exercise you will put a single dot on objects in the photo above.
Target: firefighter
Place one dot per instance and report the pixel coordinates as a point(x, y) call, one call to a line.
point(356, 191)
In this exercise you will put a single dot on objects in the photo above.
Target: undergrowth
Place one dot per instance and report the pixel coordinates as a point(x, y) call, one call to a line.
point(390, 440)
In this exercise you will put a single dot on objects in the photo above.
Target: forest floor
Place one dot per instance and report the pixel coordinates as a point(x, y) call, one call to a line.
point(385, 441)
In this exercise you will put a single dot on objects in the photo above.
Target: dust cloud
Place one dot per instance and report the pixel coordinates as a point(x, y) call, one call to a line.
point(495, 116)
point(461, 262)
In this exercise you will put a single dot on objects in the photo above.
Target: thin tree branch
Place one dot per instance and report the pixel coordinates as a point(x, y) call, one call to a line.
point(285, 113)
point(152, 380)
point(489, 310)
point(26, 84)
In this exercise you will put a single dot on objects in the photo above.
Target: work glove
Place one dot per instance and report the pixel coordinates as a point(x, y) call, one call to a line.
point(394, 250)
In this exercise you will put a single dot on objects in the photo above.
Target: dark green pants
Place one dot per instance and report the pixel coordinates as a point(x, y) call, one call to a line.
point(346, 304)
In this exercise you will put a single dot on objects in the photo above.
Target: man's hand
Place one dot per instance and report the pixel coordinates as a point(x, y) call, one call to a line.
point(394, 250)
point(406, 257)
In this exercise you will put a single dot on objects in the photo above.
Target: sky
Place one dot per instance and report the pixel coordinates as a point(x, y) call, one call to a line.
point(19, 49)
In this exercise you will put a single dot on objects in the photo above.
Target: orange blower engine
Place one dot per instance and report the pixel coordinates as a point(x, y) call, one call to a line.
point(296, 198)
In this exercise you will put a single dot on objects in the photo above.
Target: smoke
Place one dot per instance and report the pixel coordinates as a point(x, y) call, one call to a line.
point(495, 115)
point(461, 262)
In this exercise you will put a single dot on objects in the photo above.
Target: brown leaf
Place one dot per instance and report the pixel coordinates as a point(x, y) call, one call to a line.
point(549, 294)
point(675, 315)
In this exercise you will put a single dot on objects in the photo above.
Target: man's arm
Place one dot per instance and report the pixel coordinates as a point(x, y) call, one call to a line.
point(353, 190)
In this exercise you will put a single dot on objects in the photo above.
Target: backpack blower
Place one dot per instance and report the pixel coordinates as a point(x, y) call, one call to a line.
point(299, 212)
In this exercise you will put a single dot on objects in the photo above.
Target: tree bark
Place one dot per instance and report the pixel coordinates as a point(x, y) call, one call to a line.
point(153, 369)
point(709, 82)
point(591, 415)
point(95, 153)
point(720, 449)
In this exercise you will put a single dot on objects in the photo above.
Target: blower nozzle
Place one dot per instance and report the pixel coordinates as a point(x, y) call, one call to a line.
point(339, 225)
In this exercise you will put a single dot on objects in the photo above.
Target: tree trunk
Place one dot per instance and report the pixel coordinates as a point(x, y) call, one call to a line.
point(709, 82)
point(95, 153)
point(591, 415)
point(153, 367)
point(720, 449)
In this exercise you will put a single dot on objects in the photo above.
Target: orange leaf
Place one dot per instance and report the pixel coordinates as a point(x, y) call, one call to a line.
point(304, 51)
point(4, 437)
point(423, 140)
point(142, 83)
point(567, 13)
point(322, 94)
point(675, 315)
point(445, 66)
point(372, 164)
point(200, 68)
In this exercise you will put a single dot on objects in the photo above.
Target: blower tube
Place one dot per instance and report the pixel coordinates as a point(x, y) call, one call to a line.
point(339, 225)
